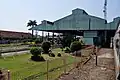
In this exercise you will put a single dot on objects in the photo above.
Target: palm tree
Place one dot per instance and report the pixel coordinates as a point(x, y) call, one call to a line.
point(32, 24)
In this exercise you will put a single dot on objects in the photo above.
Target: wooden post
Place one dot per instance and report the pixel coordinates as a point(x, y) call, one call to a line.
point(96, 60)
point(96, 54)
point(75, 58)
point(8, 74)
point(47, 69)
point(79, 68)
point(64, 63)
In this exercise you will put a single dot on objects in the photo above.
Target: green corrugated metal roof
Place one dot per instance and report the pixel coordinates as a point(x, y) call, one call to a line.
point(78, 21)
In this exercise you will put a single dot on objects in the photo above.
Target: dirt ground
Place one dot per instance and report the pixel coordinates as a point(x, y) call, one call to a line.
point(103, 71)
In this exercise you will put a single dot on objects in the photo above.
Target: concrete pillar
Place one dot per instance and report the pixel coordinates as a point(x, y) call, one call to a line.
point(36, 33)
point(105, 36)
point(42, 35)
point(48, 35)
point(53, 38)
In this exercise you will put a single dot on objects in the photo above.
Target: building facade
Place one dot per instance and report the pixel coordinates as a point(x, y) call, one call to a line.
point(83, 24)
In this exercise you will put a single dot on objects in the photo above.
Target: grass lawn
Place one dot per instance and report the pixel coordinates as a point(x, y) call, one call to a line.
point(21, 66)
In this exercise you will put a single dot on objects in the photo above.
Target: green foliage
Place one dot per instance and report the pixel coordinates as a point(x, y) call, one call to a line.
point(67, 39)
point(75, 46)
point(38, 41)
point(35, 51)
point(67, 50)
point(52, 55)
point(59, 55)
point(32, 24)
point(82, 43)
point(29, 68)
point(46, 46)
point(32, 39)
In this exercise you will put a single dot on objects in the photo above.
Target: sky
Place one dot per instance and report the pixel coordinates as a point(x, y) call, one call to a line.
point(14, 14)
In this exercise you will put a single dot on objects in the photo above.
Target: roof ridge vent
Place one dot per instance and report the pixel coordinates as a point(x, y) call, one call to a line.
point(78, 11)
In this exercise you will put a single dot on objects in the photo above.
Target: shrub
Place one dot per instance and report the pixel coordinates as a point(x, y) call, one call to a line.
point(75, 46)
point(82, 43)
point(35, 51)
point(59, 55)
point(67, 50)
point(46, 46)
point(52, 55)
point(37, 58)
point(38, 41)
point(67, 39)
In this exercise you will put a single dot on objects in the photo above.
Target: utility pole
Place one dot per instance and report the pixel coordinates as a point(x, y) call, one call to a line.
point(105, 17)
point(105, 10)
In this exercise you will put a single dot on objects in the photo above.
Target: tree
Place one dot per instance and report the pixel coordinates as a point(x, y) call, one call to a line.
point(35, 51)
point(36, 54)
point(67, 39)
point(32, 24)
point(45, 46)
point(75, 46)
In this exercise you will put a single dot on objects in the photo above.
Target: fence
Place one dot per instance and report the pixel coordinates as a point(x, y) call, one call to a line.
point(45, 70)
point(50, 69)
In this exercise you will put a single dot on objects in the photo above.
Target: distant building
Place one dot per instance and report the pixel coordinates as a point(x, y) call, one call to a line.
point(14, 35)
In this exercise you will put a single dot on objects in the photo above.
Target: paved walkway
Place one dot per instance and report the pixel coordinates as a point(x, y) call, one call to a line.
point(104, 70)
point(15, 53)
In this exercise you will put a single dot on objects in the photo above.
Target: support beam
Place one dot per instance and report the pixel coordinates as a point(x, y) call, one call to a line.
point(48, 36)
point(36, 33)
point(53, 38)
point(42, 35)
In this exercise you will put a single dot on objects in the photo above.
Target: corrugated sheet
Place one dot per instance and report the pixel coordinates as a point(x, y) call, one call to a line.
point(80, 22)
